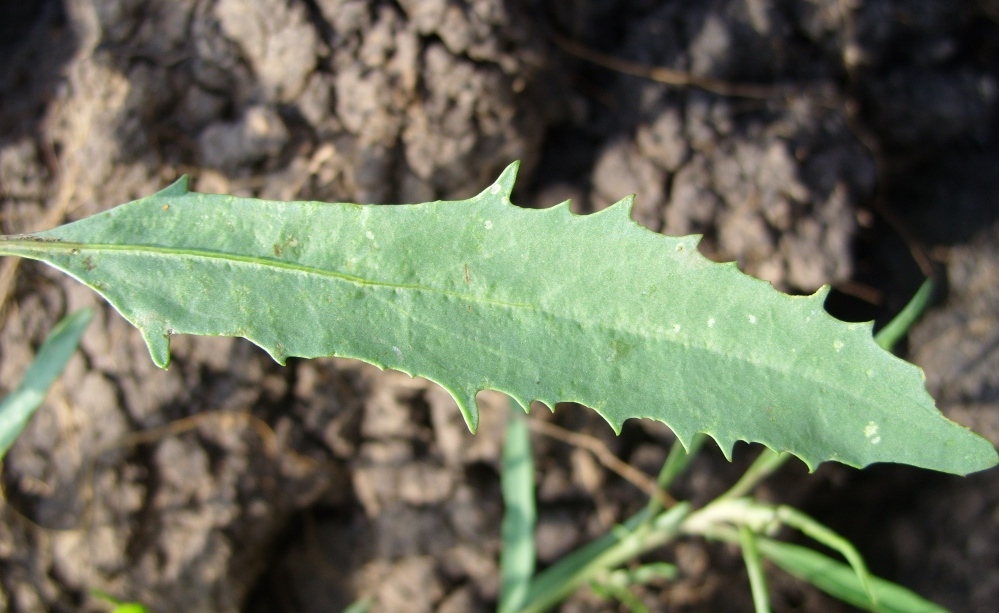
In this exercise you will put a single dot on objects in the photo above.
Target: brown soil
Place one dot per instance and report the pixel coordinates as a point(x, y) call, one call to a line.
point(819, 143)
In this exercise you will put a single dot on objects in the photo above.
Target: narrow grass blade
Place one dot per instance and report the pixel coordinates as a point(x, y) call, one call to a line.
point(762, 467)
point(612, 591)
point(519, 516)
point(18, 407)
point(754, 567)
point(813, 529)
point(646, 573)
point(676, 462)
point(629, 540)
point(841, 581)
point(617, 584)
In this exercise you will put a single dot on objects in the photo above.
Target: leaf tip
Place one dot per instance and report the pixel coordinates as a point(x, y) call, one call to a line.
point(981, 455)
point(986, 461)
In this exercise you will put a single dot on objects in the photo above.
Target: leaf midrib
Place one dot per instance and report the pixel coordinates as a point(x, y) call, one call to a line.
point(251, 259)
point(47, 246)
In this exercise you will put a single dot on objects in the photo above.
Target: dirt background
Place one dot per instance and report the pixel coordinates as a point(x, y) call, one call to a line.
point(821, 141)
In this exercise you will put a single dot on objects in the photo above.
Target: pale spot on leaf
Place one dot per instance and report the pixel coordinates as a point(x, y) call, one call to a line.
point(871, 433)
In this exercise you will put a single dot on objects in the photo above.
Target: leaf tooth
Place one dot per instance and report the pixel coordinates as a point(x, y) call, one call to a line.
point(617, 212)
point(175, 189)
point(562, 208)
point(549, 404)
point(503, 186)
point(820, 294)
point(526, 406)
point(864, 328)
point(467, 405)
point(158, 341)
point(810, 464)
point(682, 437)
point(687, 244)
point(616, 425)
point(727, 445)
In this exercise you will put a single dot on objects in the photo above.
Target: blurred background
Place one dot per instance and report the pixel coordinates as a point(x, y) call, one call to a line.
point(812, 141)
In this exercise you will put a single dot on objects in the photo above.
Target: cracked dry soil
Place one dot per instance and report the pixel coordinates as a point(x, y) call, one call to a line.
point(863, 153)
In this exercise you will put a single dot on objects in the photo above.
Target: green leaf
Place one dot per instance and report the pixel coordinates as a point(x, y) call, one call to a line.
point(841, 581)
point(541, 304)
point(18, 407)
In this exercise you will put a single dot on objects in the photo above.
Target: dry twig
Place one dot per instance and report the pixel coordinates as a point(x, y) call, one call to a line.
point(668, 76)
point(604, 455)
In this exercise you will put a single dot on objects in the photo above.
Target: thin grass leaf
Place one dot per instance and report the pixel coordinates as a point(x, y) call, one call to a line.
point(762, 467)
point(18, 407)
point(517, 559)
point(644, 574)
point(840, 580)
point(632, 538)
point(676, 462)
point(610, 590)
point(754, 568)
point(815, 530)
